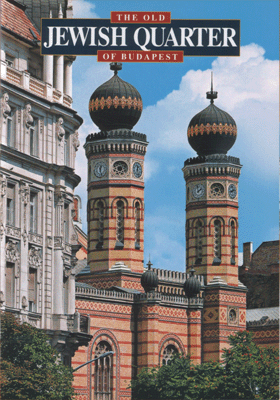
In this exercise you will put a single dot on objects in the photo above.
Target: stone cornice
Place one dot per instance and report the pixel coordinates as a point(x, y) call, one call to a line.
point(38, 164)
point(214, 165)
point(151, 297)
point(116, 141)
point(213, 158)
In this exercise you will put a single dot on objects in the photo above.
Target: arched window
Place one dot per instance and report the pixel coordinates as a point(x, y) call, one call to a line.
point(100, 215)
point(120, 225)
point(198, 244)
point(137, 225)
point(103, 372)
point(217, 241)
point(168, 354)
point(232, 239)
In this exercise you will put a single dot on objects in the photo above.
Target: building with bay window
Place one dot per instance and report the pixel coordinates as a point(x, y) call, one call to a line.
point(39, 140)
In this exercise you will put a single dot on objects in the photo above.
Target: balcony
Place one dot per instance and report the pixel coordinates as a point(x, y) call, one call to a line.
point(78, 323)
point(24, 80)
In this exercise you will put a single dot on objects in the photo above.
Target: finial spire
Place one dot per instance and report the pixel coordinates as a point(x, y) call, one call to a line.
point(60, 13)
point(211, 95)
point(50, 13)
point(149, 264)
point(116, 67)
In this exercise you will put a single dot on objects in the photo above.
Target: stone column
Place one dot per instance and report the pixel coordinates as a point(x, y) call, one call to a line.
point(59, 67)
point(68, 77)
point(25, 226)
point(3, 65)
point(58, 260)
point(59, 73)
point(71, 293)
point(48, 69)
point(3, 199)
point(48, 76)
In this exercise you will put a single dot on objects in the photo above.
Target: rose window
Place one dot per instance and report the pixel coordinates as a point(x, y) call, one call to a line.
point(120, 168)
point(217, 190)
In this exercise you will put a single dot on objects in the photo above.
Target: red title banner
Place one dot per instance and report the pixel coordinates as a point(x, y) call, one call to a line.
point(140, 17)
point(140, 56)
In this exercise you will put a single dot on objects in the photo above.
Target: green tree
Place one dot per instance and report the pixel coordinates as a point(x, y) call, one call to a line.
point(30, 367)
point(251, 371)
point(247, 372)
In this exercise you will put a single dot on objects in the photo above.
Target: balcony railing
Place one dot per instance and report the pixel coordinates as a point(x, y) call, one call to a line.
point(35, 85)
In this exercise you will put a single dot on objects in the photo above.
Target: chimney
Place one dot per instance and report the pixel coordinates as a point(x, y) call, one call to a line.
point(247, 254)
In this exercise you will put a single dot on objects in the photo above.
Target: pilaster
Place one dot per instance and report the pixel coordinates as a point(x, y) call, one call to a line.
point(194, 334)
point(224, 314)
point(147, 331)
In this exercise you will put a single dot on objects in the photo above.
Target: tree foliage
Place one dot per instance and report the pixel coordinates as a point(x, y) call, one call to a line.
point(30, 367)
point(247, 372)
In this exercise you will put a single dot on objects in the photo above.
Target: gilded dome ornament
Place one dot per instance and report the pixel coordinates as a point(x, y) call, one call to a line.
point(115, 104)
point(212, 130)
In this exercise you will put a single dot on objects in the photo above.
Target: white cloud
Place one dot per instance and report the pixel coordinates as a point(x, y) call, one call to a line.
point(248, 88)
point(151, 167)
point(82, 8)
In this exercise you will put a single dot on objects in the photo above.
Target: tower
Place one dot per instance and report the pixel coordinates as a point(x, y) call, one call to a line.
point(115, 179)
point(212, 224)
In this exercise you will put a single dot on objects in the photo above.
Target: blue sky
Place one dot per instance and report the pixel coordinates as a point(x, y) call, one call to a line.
point(172, 94)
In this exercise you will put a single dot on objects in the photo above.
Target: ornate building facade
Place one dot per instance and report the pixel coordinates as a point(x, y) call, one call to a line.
point(142, 315)
point(39, 140)
point(146, 315)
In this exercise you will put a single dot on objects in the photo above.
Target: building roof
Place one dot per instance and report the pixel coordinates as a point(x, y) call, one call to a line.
point(123, 289)
point(257, 314)
point(82, 267)
point(15, 20)
point(83, 285)
point(37, 9)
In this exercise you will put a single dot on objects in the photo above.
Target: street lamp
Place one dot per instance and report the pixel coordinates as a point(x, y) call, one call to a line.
point(94, 359)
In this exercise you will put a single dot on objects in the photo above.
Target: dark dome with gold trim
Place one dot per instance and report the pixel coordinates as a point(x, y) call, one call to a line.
point(212, 130)
point(149, 279)
point(115, 104)
point(192, 285)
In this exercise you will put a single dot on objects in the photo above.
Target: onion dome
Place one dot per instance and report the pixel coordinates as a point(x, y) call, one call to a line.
point(192, 285)
point(115, 104)
point(149, 279)
point(212, 131)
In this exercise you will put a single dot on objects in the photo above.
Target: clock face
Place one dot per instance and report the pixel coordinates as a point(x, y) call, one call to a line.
point(137, 170)
point(198, 191)
point(232, 192)
point(100, 169)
